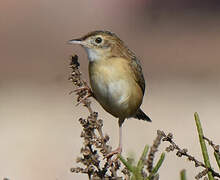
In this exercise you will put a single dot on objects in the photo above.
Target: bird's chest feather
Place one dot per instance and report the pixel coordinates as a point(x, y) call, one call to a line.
point(113, 85)
point(110, 90)
point(109, 81)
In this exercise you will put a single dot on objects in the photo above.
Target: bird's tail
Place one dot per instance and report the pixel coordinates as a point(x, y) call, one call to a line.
point(141, 115)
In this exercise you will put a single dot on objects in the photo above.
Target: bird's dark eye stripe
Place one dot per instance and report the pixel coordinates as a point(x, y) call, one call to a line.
point(98, 40)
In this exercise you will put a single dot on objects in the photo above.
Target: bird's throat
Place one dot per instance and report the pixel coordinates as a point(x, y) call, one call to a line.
point(93, 55)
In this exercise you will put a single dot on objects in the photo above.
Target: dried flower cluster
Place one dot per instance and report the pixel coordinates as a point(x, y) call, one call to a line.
point(149, 161)
point(184, 152)
point(83, 89)
point(95, 146)
point(153, 150)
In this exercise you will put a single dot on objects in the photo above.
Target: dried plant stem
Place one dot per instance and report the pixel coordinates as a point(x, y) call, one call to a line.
point(216, 150)
point(157, 166)
point(184, 152)
point(214, 146)
point(77, 80)
point(217, 158)
point(153, 150)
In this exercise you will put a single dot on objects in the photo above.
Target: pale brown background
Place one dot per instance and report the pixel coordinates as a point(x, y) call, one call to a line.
point(178, 43)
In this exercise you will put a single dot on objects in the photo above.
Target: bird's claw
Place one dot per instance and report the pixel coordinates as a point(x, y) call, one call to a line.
point(116, 151)
point(112, 153)
point(84, 98)
point(84, 88)
point(83, 93)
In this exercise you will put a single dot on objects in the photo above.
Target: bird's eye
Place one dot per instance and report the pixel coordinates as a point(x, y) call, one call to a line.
point(98, 40)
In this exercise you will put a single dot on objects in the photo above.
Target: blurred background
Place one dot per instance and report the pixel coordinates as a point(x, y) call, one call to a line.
point(177, 42)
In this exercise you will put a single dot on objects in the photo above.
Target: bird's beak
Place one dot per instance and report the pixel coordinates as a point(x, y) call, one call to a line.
point(76, 41)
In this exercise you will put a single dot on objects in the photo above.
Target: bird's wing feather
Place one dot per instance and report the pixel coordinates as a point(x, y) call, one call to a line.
point(139, 77)
point(134, 63)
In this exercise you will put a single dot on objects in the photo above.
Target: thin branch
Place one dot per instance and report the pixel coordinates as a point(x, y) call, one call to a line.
point(184, 152)
point(214, 146)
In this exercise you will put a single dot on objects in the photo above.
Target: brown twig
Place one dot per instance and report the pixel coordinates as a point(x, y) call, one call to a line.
point(184, 152)
point(214, 146)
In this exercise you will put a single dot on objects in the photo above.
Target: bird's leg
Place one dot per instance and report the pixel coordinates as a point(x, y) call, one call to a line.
point(119, 149)
point(120, 138)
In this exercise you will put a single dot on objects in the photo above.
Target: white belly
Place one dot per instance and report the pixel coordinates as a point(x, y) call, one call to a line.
point(119, 97)
point(113, 93)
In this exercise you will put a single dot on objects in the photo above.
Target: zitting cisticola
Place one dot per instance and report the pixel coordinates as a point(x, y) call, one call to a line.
point(116, 77)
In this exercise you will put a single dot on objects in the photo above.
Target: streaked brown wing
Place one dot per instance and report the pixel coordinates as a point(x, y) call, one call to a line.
point(139, 77)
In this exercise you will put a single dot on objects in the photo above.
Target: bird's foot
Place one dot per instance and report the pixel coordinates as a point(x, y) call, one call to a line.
point(115, 152)
point(84, 93)
point(112, 153)
point(84, 88)
point(83, 99)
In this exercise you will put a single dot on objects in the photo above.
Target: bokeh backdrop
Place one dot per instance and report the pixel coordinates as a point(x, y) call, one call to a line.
point(177, 42)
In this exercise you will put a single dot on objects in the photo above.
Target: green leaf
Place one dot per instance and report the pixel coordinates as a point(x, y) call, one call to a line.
point(140, 163)
point(127, 164)
point(183, 174)
point(203, 145)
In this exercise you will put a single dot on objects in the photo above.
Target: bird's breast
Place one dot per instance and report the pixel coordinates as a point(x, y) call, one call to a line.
point(114, 87)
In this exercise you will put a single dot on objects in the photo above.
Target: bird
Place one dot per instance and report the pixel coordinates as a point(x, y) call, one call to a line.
point(116, 77)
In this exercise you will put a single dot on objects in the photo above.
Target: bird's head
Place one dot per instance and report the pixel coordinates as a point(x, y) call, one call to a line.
point(100, 44)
